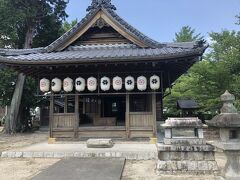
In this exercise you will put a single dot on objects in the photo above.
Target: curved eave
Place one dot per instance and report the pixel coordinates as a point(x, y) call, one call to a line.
point(13, 60)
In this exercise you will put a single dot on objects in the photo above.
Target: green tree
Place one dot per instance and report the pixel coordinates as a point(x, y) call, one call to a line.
point(67, 26)
point(180, 90)
point(238, 19)
point(208, 79)
point(187, 34)
point(31, 23)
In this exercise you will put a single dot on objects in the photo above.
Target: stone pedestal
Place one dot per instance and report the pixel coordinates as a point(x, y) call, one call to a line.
point(232, 168)
point(231, 150)
point(190, 155)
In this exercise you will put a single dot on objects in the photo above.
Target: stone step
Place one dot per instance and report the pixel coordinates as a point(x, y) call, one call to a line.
point(133, 155)
point(192, 156)
point(184, 141)
point(185, 148)
point(99, 143)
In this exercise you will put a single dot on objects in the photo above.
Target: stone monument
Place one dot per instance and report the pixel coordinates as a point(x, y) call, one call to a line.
point(228, 123)
point(185, 154)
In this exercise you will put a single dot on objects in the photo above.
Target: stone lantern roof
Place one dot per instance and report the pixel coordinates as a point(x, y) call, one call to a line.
point(229, 116)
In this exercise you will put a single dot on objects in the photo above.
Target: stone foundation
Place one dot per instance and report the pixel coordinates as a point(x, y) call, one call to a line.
point(185, 155)
point(187, 167)
point(195, 159)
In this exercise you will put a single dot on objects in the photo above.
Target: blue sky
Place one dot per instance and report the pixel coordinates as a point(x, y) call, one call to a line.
point(160, 19)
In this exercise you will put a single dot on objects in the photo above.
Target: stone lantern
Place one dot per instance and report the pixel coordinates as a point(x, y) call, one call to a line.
point(228, 123)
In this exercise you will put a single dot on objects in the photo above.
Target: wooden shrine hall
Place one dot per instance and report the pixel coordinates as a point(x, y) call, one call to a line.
point(104, 78)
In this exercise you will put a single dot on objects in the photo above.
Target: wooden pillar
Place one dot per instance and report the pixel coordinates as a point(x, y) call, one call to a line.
point(127, 116)
point(84, 105)
point(51, 106)
point(65, 104)
point(99, 107)
point(76, 126)
point(159, 108)
point(154, 108)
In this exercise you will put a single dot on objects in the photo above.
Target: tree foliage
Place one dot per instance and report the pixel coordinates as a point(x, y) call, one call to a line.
point(238, 19)
point(38, 18)
point(27, 24)
point(209, 78)
point(67, 26)
point(7, 84)
point(187, 34)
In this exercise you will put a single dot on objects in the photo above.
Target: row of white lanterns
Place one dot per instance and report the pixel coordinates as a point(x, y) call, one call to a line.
point(80, 84)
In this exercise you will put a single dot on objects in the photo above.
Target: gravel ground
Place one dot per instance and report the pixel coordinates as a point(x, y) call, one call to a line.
point(20, 140)
point(22, 169)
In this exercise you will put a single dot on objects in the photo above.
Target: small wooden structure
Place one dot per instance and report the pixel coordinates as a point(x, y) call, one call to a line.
point(188, 107)
point(102, 50)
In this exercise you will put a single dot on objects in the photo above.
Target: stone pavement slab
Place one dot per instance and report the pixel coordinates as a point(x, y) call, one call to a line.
point(84, 169)
point(129, 151)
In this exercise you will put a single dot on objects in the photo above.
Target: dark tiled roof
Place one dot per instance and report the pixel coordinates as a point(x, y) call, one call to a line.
point(187, 104)
point(101, 3)
point(16, 52)
point(103, 53)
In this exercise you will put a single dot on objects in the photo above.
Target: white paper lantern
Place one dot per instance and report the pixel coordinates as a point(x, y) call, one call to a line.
point(155, 82)
point(142, 83)
point(129, 83)
point(105, 84)
point(92, 84)
point(56, 85)
point(80, 84)
point(68, 85)
point(44, 85)
point(117, 83)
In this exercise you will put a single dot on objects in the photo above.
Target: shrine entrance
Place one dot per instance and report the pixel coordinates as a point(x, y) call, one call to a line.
point(102, 111)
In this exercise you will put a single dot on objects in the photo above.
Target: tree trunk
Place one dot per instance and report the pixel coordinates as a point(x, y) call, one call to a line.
point(29, 38)
point(12, 117)
point(13, 113)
